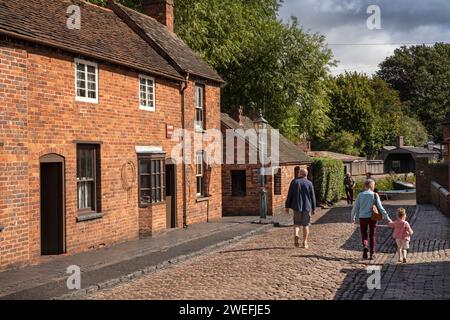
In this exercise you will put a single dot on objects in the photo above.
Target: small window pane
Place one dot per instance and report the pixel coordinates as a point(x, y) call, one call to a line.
point(145, 182)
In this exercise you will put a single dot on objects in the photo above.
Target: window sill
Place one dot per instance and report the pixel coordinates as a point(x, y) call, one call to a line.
point(143, 206)
point(150, 109)
point(202, 199)
point(200, 130)
point(89, 216)
point(86, 100)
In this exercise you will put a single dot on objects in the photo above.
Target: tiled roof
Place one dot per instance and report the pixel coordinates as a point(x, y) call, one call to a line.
point(181, 54)
point(289, 152)
point(416, 150)
point(103, 36)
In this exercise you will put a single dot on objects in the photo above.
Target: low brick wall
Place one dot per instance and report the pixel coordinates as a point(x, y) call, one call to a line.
point(440, 197)
point(426, 173)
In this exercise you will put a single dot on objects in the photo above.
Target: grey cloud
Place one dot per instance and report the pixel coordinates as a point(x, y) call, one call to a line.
point(344, 22)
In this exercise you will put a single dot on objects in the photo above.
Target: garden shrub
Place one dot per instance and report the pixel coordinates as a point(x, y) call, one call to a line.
point(328, 179)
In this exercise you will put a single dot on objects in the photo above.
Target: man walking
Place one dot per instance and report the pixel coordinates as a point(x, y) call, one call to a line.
point(302, 200)
point(349, 187)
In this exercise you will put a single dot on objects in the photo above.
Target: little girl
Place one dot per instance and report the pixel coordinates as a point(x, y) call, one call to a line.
point(402, 234)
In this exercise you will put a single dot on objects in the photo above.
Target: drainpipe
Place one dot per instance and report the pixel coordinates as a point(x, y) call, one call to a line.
point(184, 86)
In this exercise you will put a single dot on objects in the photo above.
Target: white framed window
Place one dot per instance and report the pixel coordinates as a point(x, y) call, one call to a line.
point(199, 174)
point(86, 81)
point(146, 93)
point(199, 107)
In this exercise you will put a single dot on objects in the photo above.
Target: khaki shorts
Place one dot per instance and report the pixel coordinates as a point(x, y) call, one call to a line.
point(302, 219)
point(402, 244)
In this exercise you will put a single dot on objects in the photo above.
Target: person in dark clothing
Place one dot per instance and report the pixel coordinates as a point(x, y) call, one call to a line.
point(349, 184)
point(301, 198)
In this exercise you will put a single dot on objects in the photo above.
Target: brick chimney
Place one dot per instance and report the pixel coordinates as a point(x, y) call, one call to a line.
point(400, 141)
point(238, 115)
point(161, 10)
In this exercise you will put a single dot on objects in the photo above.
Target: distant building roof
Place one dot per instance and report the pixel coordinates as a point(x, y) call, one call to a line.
point(338, 156)
point(416, 150)
point(289, 152)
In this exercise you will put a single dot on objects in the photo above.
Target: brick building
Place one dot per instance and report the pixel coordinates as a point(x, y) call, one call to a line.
point(402, 159)
point(433, 178)
point(240, 182)
point(87, 114)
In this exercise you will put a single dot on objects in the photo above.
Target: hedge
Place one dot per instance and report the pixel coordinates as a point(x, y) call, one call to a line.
point(328, 179)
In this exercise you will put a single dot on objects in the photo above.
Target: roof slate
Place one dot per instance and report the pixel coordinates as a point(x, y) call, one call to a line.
point(185, 58)
point(103, 35)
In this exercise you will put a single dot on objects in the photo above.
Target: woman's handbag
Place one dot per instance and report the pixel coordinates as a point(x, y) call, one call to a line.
point(376, 215)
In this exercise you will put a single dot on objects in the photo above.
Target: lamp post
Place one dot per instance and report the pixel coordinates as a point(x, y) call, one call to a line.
point(260, 126)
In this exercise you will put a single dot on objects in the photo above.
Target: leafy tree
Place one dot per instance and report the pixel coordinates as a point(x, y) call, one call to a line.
point(367, 114)
point(422, 76)
point(283, 73)
point(344, 142)
point(414, 132)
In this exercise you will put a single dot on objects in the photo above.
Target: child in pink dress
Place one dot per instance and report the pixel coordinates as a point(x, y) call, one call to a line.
point(402, 234)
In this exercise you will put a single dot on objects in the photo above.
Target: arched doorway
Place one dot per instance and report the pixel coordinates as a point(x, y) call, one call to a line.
point(52, 204)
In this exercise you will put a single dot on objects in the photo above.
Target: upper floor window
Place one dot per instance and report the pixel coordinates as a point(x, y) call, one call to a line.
point(86, 84)
point(147, 93)
point(199, 107)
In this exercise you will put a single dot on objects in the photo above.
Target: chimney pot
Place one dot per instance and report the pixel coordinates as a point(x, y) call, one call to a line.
point(161, 10)
point(238, 115)
point(400, 142)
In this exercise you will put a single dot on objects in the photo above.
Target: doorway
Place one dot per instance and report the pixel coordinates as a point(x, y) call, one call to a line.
point(52, 204)
point(171, 207)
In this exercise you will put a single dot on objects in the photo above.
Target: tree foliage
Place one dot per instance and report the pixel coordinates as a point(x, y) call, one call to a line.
point(422, 76)
point(367, 114)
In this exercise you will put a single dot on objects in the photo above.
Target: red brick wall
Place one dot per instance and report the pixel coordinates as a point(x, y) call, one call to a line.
point(13, 156)
point(39, 115)
point(426, 173)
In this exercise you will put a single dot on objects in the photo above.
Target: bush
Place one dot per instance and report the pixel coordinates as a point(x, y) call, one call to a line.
point(328, 179)
point(387, 183)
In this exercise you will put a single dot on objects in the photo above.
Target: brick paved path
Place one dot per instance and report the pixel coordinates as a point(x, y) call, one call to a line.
point(267, 266)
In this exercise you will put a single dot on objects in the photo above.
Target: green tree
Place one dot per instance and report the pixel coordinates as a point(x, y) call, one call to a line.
point(422, 76)
point(283, 73)
point(367, 114)
point(344, 142)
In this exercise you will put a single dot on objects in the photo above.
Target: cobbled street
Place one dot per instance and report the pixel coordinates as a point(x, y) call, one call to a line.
point(268, 266)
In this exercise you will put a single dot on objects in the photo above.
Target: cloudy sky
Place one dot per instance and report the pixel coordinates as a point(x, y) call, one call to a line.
point(344, 23)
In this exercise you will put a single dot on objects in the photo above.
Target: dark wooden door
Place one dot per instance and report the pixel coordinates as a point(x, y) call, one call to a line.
point(170, 196)
point(52, 208)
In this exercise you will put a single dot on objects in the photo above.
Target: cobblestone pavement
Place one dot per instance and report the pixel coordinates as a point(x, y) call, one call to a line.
point(268, 266)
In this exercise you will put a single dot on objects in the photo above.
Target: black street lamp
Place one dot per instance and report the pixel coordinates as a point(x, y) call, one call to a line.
point(260, 126)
